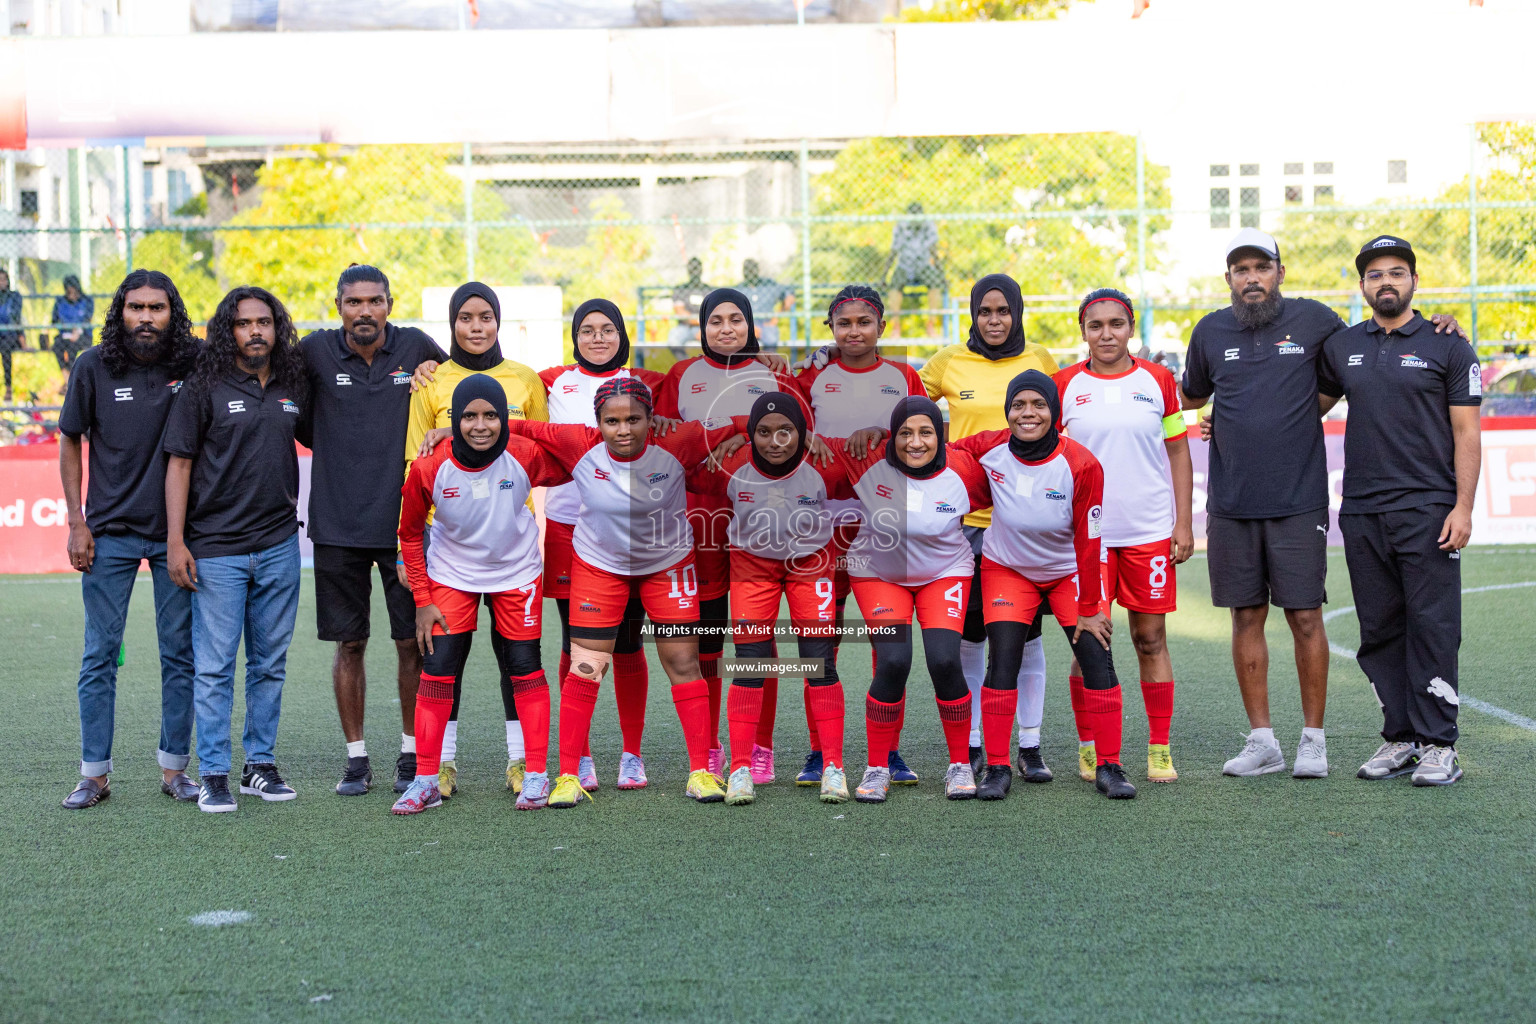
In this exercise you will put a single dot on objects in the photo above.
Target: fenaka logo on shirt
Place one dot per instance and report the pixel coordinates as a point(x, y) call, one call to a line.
point(1137, 396)
point(289, 405)
point(174, 385)
point(889, 389)
point(122, 394)
point(506, 485)
point(807, 499)
point(1410, 359)
point(1356, 360)
point(238, 405)
point(343, 380)
point(656, 478)
point(1288, 347)
point(754, 389)
point(944, 508)
point(1052, 494)
point(400, 376)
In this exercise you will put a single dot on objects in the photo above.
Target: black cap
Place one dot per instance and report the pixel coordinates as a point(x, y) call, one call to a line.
point(1385, 245)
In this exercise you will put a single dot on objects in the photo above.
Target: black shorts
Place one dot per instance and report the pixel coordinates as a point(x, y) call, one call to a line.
point(343, 590)
point(1281, 561)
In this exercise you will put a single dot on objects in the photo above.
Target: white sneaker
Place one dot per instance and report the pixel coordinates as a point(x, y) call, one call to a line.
point(586, 772)
point(1390, 760)
point(1438, 766)
point(631, 771)
point(1311, 759)
point(740, 789)
point(1257, 758)
point(875, 785)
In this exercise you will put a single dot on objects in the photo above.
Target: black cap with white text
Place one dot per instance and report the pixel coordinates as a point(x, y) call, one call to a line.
point(1385, 245)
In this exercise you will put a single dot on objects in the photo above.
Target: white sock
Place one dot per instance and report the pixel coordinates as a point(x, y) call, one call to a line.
point(1265, 736)
point(1031, 709)
point(1312, 734)
point(514, 740)
point(451, 740)
point(973, 662)
point(407, 744)
point(358, 749)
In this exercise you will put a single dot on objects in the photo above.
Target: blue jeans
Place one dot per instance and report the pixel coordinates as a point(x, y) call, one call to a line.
point(106, 590)
point(259, 595)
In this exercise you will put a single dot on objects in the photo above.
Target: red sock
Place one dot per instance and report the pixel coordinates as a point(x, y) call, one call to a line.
point(578, 699)
point(997, 710)
point(709, 667)
point(1103, 708)
point(1079, 710)
point(434, 703)
point(692, 700)
point(955, 717)
point(1159, 700)
point(879, 728)
point(631, 687)
point(769, 714)
point(743, 705)
point(827, 705)
point(532, 694)
point(810, 717)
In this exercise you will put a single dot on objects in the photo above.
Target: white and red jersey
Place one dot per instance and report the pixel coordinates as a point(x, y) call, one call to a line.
point(776, 518)
point(846, 400)
point(1127, 420)
point(484, 538)
point(913, 528)
point(634, 518)
point(570, 391)
point(1045, 515)
point(699, 389)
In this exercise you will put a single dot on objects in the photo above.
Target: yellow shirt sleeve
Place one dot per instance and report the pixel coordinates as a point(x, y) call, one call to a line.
point(932, 373)
point(424, 414)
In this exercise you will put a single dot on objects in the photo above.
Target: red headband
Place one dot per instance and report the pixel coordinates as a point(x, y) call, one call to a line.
point(1107, 298)
point(873, 304)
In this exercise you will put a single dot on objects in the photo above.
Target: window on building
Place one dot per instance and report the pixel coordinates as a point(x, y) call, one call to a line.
point(1248, 200)
point(29, 202)
point(1322, 194)
point(1323, 167)
point(1295, 168)
point(1397, 172)
point(1293, 193)
point(1220, 170)
point(1248, 170)
point(177, 190)
point(1221, 202)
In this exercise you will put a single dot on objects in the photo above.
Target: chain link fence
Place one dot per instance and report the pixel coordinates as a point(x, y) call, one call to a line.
point(654, 227)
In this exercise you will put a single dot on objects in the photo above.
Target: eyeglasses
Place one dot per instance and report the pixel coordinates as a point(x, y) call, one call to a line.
point(1396, 274)
point(608, 333)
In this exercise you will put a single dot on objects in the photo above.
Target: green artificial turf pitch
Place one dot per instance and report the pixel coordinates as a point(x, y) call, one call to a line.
point(1209, 899)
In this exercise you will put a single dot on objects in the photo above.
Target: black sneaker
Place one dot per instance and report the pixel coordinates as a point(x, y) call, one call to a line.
point(405, 771)
point(1032, 765)
point(901, 775)
point(1111, 781)
point(357, 779)
point(214, 795)
point(978, 762)
point(996, 780)
point(262, 780)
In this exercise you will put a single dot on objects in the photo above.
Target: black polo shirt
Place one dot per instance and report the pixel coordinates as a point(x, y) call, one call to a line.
point(1266, 458)
point(356, 425)
point(245, 471)
point(123, 418)
point(1399, 450)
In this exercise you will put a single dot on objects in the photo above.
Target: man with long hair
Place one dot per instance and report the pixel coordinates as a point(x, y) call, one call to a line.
point(120, 396)
point(360, 402)
point(231, 499)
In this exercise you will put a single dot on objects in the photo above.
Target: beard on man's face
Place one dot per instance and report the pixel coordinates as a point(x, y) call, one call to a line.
point(1389, 303)
point(1256, 306)
point(146, 343)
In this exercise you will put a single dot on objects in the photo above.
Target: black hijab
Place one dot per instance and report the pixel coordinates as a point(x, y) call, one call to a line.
point(478, 385)
point(611, 311)
point(491, 357)
point(747, 352)
point(786, 406)
point(1045, 387)
point(905, 409)
point(1014, 343)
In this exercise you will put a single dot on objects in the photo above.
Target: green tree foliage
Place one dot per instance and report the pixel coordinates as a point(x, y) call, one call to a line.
point(1319, 248)
point(986, 10)
point(185, 257)
point(611, 262)
point(374, 184)
point(1033, 206)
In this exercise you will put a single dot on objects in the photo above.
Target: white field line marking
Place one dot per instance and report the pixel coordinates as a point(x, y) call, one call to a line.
point(220, 918)
point(1511, 717)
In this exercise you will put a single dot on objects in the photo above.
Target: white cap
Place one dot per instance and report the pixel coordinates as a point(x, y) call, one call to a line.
point(1253, 238)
